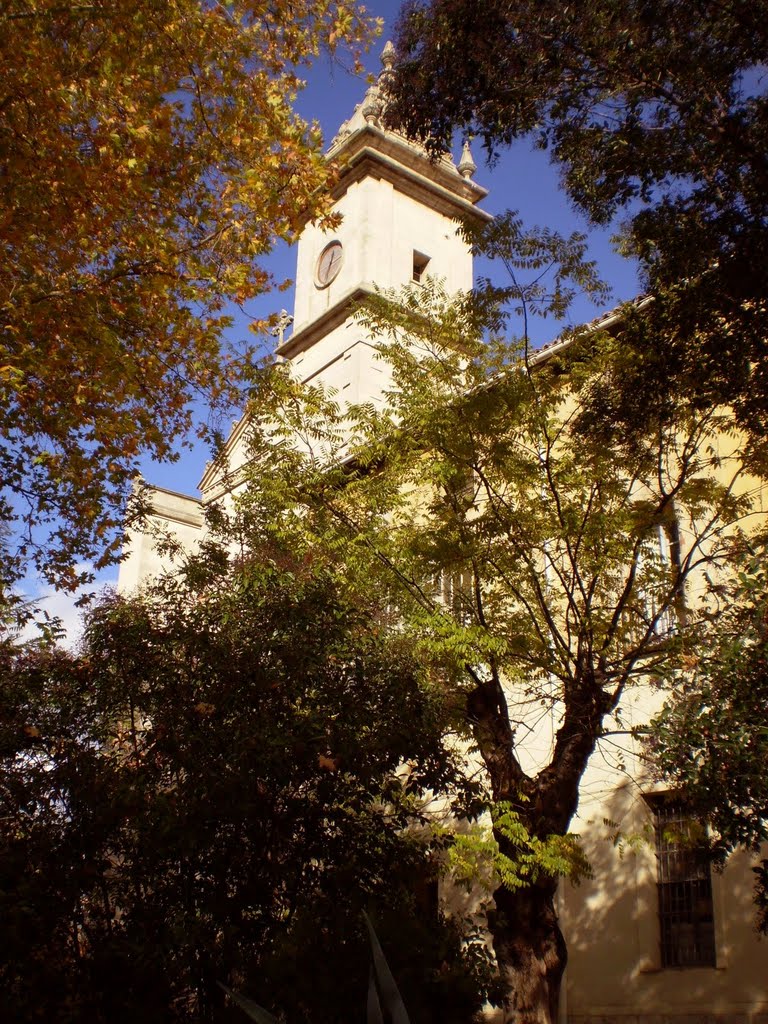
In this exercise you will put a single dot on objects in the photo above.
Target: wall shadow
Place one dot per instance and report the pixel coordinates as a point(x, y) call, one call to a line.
point(611, 926)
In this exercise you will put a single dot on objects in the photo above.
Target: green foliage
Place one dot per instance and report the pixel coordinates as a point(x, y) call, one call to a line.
point(534, 557)
point(545, 270)
point(655, 112)
point(711, 738)
point(667, 107)
point(475, 855)
point(232, 768)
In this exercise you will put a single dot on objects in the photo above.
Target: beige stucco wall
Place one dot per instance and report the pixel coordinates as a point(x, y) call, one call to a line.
point(610, 921)
point(380, 229)
point(611, 927)
point(176, 516)
point(347, 365)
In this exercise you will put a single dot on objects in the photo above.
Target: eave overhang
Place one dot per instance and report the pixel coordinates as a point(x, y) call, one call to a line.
point(372, 152)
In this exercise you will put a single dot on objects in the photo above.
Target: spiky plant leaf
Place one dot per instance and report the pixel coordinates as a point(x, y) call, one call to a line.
point(254, 1011)
point(374, 1014)
point(387, 987)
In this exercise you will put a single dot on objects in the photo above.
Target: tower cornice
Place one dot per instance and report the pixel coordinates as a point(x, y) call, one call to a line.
point(373, 152)
point(327, 321)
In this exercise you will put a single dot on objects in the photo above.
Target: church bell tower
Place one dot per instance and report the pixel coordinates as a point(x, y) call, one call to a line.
point(399, 222)
point(400, 214)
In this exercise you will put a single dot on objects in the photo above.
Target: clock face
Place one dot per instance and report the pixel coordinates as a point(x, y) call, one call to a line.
point(329, 263)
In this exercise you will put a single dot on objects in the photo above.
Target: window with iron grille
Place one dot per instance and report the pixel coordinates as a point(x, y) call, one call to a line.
point(686, 913)
point(452, 590)
point(655, 562)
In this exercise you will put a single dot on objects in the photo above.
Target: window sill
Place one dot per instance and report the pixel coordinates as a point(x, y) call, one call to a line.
point(650, 969)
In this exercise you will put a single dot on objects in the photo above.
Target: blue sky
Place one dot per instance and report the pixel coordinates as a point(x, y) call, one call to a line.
point(522, 179)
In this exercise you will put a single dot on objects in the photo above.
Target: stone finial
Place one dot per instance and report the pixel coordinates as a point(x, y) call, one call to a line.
point(386, 75)
point(388, 56)
point(467, 165)
point(372, 105)
point(341, 134)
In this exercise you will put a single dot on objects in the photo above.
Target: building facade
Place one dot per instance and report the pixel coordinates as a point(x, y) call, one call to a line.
point(655, 936)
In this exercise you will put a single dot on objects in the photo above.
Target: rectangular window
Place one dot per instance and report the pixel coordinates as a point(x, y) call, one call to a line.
point(686, 913)
point(453, 591)
point(656, 607)
point(420, 264)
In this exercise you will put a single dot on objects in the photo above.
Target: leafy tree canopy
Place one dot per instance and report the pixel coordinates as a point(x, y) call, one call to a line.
point(711, 738)
point(538, 558)
point(658, 111)
point(231, 769)
point(149, 157)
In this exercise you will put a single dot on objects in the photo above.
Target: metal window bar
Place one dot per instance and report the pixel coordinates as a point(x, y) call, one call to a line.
point(686, 912)
point(453, 590)
point(655, 549)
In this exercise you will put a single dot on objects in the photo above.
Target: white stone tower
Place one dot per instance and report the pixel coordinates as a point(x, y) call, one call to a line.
point(400, 213)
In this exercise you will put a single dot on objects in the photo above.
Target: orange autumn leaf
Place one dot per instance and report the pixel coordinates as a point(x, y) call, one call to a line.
point(129, 134)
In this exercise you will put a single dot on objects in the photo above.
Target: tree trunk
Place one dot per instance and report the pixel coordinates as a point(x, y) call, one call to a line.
point(530, 951)
point(529, 946)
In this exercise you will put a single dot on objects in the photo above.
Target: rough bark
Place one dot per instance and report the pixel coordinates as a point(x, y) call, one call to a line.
point(529, 946)
point(530, 951)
